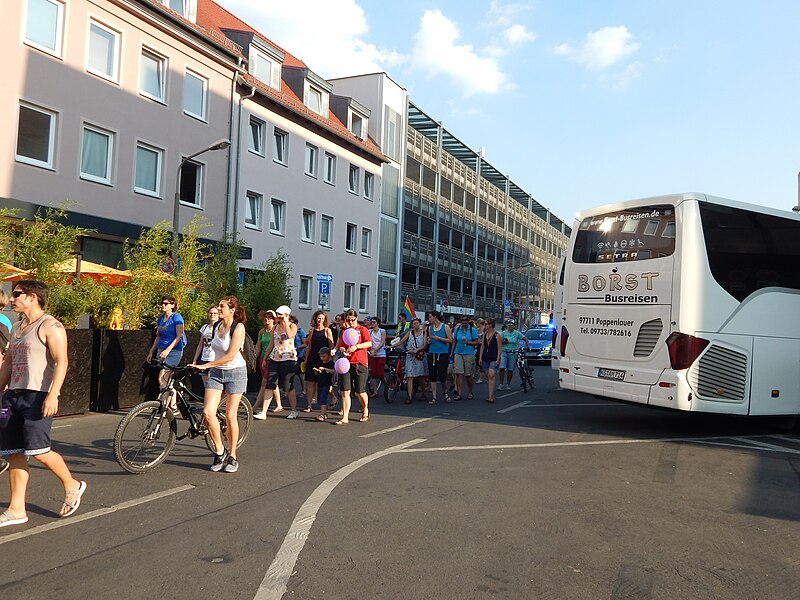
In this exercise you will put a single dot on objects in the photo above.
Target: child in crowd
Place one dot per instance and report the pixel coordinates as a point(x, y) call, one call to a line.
point(324, 381)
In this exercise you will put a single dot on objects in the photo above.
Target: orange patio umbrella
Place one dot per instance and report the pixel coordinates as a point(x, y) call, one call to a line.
point(87, 269)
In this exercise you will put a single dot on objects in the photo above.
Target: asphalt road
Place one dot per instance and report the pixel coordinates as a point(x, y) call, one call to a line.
point(548, 494)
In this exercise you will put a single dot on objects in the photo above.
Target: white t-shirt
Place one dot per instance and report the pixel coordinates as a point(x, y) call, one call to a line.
point(220, 345)
point(206, 354)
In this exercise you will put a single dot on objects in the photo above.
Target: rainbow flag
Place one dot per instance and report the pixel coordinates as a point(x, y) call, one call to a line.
point(408, 309)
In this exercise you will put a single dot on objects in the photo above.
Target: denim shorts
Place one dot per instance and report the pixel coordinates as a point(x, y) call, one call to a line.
point(173, 358)
point(230, 381)
point(508, 360)
point(26, 430)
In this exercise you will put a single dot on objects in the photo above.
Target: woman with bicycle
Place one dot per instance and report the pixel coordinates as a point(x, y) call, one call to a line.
point(413, 342)
point(227, 375)
point(170, 337)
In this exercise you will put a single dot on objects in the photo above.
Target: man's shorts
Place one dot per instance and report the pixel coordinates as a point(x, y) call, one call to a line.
point(508, 360)
point(230, 381)
point(27, 430)
point(464, 364)
point(355, 379)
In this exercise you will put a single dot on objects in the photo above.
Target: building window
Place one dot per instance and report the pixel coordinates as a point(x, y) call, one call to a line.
point(349, 289)
point(356, 125)
point(363, 298)
point(369, 185)
point(152, 76)
point(186, 8)
point(96, 150)
point(352, 233)
point(44, 25)
point(195, 92)
point(277, 217)
point(311, 160)
point(309, 218)
point(326, 231)
point(330, 169)
point(191, 183)
point(252, 211)
point(255, 141)
point(264, 68)
point(279, 146)
point(304, 294)
point(314, 100)
point(103, 51)
point(352, 179)
point(366, 241)
point(35, 136)
point(147, 179)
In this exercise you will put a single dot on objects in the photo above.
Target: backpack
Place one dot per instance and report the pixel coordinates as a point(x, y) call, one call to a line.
point(248, 350)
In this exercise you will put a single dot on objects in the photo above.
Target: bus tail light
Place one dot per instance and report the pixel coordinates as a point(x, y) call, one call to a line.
point(564, 337)
point(684, 349)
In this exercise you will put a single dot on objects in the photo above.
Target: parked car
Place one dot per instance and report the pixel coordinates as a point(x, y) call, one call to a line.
point(540, 344)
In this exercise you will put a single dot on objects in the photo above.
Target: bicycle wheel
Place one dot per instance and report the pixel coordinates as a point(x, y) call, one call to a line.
point(244, 416)
point(145, 437)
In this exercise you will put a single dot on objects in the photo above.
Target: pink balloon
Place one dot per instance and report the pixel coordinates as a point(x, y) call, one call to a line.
point(351, 337)
point(341, 366)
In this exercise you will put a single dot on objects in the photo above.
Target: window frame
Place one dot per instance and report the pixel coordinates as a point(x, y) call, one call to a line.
point(259, 217)
point(330, 169)
point(204, 100)
point(51, 142)
point(164, 62)
point(351, 227)
point(304, 300)
point(281, 227)
point(159, 167)
point(257, 55)
point(353, 177)
point(363, 295)
point(58, 42)
point(109, 155)
point(349, 290)
point(307, 235)
point(201, 170)
point(329, 242)
point(311, 160)
point(262, 126)
point(113, 77)
point(282, 147)
point(366, 233)
point(369, 185)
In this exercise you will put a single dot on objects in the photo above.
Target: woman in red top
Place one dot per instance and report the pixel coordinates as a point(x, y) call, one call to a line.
point(356, 378)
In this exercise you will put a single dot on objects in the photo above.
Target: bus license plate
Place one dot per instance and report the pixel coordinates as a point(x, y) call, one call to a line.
point(611, 374)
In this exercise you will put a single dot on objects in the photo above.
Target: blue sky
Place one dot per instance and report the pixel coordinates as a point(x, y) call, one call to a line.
point(584, 102)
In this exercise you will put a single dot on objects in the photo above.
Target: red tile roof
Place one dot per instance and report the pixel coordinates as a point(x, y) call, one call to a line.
point(214, 18)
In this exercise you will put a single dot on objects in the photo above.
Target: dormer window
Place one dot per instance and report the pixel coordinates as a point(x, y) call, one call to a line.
point(186, 8)
point(316, 99)
point(264, 68)
point(358, 125)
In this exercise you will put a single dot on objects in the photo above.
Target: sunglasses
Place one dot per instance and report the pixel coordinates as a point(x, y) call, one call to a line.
point(18, 293)
point(166, 303)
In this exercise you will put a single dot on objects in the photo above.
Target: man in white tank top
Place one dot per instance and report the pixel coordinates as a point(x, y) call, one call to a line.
point(34, 371)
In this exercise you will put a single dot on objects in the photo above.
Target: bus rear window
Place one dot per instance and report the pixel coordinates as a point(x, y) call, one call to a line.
point(639, 233)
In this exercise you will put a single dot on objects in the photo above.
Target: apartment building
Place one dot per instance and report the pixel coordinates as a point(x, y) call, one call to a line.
point(105, 98)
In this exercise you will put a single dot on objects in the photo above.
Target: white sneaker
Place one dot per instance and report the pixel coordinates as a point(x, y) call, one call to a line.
point(259, 416)
point(292, 415)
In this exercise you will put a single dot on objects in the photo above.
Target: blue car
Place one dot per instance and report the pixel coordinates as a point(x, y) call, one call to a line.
point(540, 344)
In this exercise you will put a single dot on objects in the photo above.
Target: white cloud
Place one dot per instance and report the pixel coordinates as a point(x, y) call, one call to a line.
point(518, 34)
point(437, 52)
point(601, 48)
point(328, 35)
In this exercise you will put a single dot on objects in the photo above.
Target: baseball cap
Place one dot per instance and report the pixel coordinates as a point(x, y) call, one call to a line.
point(283, 310)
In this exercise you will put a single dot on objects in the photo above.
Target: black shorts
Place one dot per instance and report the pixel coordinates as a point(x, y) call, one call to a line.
point(26, 430)
point(355, 379)
point(437, 367)
point(282, 371)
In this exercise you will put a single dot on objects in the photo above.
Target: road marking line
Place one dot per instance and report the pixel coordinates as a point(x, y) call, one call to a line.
point(60, 426)
point(786, 438)
point(274, 584)
point(767, 446)
point(95, 513)
point(522, 404)
point(391, 429)
point(529, 404)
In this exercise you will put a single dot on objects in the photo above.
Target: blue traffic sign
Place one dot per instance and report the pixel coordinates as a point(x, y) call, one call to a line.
point(324, 277)
point(324, 287)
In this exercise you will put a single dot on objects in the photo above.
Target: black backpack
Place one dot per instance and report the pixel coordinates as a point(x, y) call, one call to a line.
point(248, 350)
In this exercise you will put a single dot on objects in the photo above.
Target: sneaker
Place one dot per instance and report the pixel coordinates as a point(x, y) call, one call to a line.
point(3, 465)
point(292, 415)
point(260, 416)
point(219, 461)
point(231, 465)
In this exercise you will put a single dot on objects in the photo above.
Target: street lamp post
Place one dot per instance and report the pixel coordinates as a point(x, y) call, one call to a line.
point(219, 145)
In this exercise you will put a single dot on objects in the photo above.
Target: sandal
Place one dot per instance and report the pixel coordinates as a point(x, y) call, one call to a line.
point(342, 422)
point(470, 397)
point(447, 398)
point(322, 417)
point(407, 401)
point(9, 518)
point(364, 419)
point(490, 400)
point(70, 506)
point(432, 401)
point(277, 409)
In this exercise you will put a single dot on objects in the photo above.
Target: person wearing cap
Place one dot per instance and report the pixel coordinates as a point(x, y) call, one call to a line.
point(511, 338)
point(283, 357)
point(323, 373)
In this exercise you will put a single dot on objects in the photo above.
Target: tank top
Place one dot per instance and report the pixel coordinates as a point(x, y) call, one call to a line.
point(318, 340)
point(220, 345)
point(489, 348)
point(376, 339)
point(266, 336)
point(31, 363)
point(438, 346)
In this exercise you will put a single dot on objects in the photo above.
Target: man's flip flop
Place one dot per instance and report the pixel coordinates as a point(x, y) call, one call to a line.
point(8, 518)
point(68, 508)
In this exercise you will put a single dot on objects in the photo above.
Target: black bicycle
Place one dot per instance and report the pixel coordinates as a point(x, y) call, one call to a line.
point(148, 432)
point(525, 371)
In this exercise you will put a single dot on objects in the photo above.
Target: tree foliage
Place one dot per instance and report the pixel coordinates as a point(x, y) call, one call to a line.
point(267, 286)
point(222, 270)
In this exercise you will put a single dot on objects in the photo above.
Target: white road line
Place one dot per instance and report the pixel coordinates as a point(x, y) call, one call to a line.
point(786, 438)
point(60, 426)
point(95, 513)
point(768, 446)
point(391, 429)
point(273, 586)
point(529, 404)
point(522, 404)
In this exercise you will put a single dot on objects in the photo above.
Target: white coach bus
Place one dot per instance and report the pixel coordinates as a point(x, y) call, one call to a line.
point(689, 302)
